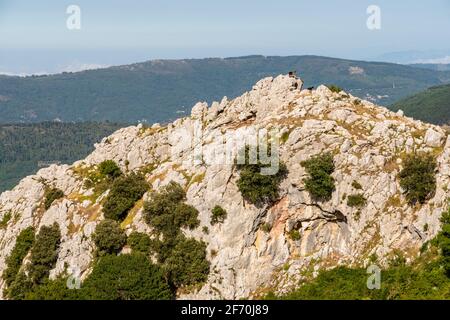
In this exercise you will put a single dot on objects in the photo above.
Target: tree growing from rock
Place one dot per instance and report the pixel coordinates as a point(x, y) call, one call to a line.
point(320, 183)
point(417, 178)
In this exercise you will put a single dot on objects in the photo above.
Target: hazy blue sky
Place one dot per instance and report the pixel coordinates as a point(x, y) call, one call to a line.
point(33, 34)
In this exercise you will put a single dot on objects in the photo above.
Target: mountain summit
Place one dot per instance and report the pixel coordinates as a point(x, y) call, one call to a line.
point(262, 243)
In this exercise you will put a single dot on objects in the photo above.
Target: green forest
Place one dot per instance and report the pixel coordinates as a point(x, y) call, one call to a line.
point(25, 148)
point(431, 105)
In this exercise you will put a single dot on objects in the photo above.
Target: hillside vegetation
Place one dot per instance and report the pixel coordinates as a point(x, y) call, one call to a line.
point(431, 105)
point(428, 277)
point(24, 148)
point(160, 90)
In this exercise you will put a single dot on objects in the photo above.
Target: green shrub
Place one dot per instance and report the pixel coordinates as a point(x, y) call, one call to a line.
point(5, 220)
point(53, 290)
point(255, 187)
point(295, 235)
point(356, 185)
point(109, 237)
point(109, 169)
point(186, 216)
point(124, 193)
point(126, 277)
point(417, 178)
point(334, 88)
point(266, 227)
point(320, 183)
point(139, 242)
point(24, 242)
point(20, 287)
point(44, 253)
point(166, 212)
point(218, 215)
point(52, 194)
point(443, 240)
point(184, 260)
point(187, 264)
point(356, 200)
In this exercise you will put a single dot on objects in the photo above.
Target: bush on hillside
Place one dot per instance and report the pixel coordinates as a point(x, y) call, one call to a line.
point(443, 240)
point(126, 277)
point(187, 263)
point(52, 194)
point(356, 200)
point(124, 193)
point(417, 178)
point(24, 242)
point(334, 88)
point(109, 237)
point(44, 253)
point(53, 290)
point(139, 242)
point(109, 169)
point(20, 287)
point(166, 212)
point(256, 187)
point(183, 260)
point(218, 215)
point(320, 183)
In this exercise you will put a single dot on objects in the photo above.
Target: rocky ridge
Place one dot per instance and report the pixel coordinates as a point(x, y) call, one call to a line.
point(368, 142)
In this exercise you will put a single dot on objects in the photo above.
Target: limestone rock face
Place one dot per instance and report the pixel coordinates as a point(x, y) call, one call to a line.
point(199, 151)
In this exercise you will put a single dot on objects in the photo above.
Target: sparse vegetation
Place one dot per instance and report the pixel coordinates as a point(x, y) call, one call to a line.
point(320, 183)
point(4, 222)
point(285, 136)
point(266, 227)
point(109, 169)
point(52, 194)
point(295, 235)
point(417, 178)
point(218, 215)
point(356, 200)
point(356, 185)
point(334, 88)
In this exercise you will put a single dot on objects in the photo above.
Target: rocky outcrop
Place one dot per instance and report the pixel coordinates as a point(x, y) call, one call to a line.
point(198, 152)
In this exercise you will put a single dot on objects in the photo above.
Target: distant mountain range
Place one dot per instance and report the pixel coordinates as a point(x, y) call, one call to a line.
point(431, 105)
point(162, 90)
point(431, 66)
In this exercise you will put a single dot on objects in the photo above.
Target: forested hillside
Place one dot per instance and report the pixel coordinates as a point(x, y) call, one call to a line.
point(24, 148)
point(431, 105)
point(162, 90)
